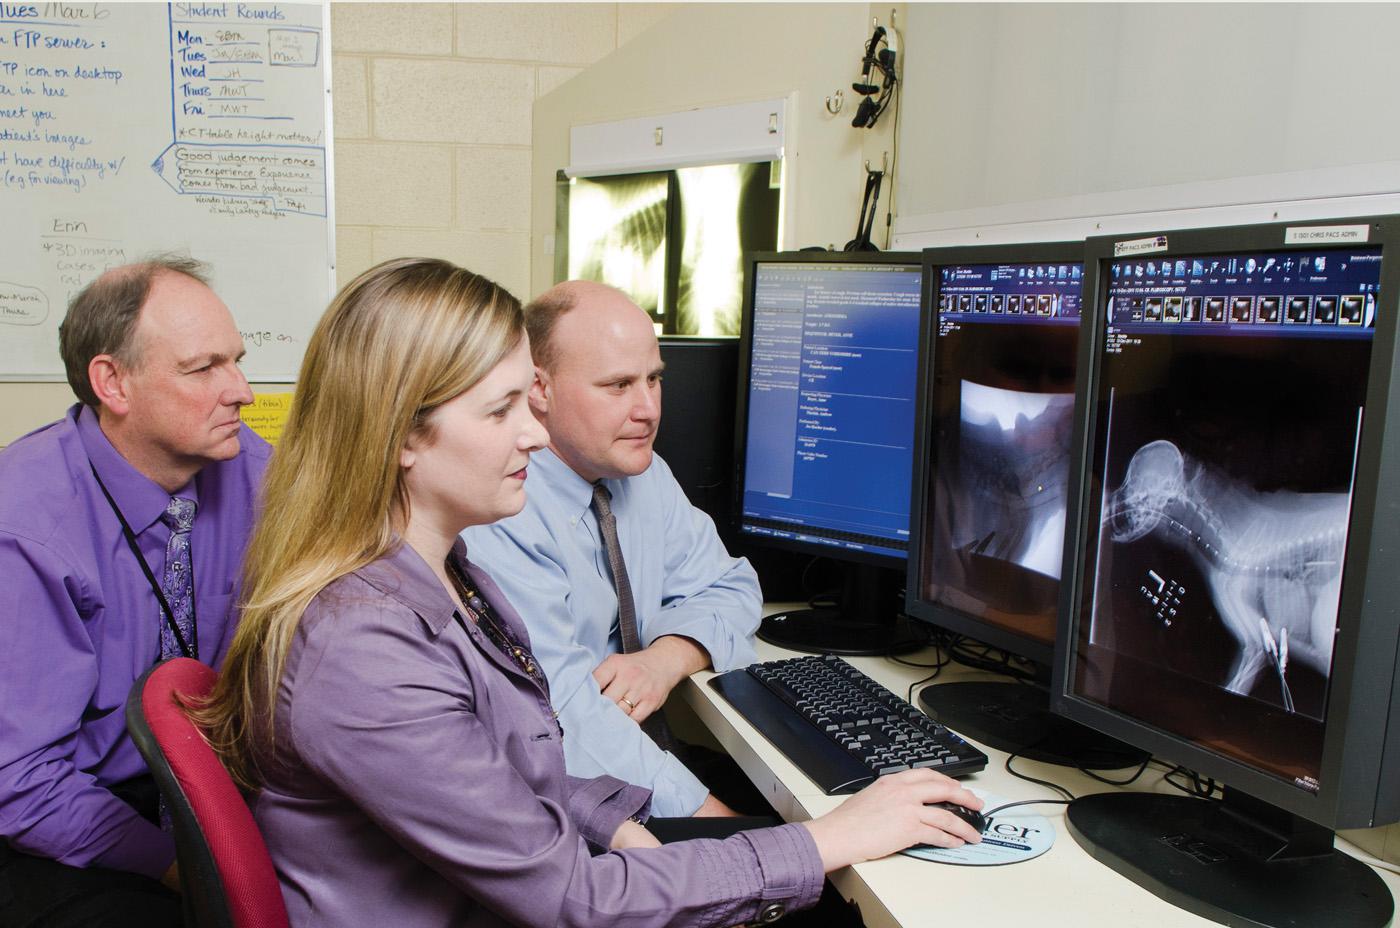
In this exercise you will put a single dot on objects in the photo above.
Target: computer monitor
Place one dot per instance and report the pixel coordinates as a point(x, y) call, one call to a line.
point(1230, 583)
point(828, 362)
point(996, 412)
point(696, 437)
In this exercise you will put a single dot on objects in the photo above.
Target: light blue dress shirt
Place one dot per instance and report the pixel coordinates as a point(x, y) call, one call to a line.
point(550, 563)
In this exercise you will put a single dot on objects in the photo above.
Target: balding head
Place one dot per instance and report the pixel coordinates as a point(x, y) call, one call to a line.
point(102, 317)
point(544, 312)
point(598, 386)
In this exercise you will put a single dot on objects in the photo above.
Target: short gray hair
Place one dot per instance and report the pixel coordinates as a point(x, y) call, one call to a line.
point(102, 318)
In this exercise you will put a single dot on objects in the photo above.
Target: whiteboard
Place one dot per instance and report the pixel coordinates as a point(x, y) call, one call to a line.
point(133, 128)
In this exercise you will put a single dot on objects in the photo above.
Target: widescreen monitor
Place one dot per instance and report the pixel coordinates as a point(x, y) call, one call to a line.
point(996, 413)
point(828, 366)
point(1230, 576)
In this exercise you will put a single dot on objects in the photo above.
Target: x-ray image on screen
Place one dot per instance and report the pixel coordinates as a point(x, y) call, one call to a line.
point(1222, 478)
point(1223, 455)
point(1008, 501)
point(1270, 564)
point(1002, 403)
point(1225, 469)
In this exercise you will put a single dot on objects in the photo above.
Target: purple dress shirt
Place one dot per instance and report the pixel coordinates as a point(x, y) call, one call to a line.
point(419, 781)
point(81, 625)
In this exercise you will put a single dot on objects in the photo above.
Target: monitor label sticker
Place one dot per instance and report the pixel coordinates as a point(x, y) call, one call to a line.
point(1309, 235)
point(1140, 246)
point(1012, 836)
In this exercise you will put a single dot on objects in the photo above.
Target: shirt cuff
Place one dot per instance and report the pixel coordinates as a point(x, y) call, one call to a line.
point(742, 654)
point(727, 646)
point(142, 848)
point(676, 792)
point(600, 805)
point(791, 869)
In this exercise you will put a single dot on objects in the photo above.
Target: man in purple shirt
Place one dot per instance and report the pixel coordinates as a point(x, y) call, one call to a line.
point(152, 355)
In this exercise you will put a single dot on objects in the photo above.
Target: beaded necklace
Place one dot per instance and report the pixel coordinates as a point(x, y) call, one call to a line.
point(480, 613)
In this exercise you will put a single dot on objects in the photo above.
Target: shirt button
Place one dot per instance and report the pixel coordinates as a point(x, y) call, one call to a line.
point(770, 913)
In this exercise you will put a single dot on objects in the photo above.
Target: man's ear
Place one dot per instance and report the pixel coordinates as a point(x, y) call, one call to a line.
point(109, 381)
point(540, 389)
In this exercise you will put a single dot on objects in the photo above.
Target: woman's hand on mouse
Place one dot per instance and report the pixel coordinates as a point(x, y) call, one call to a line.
point(891, 814)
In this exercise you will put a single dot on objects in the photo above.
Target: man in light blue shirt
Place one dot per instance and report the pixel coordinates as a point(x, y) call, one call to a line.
point(598, 391)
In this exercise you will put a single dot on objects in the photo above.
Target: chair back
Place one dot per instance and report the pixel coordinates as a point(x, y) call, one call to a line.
point(226, 876)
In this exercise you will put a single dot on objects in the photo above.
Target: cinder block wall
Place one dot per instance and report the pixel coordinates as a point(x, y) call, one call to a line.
point(432, 123)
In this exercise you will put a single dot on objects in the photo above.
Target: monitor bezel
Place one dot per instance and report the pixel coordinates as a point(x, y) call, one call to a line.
point(1360, 751)
point(741, 413)
point(943, 616)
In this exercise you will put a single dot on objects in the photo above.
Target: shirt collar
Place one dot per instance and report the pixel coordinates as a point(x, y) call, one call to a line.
point(575, 493)
point(403, 575)
point(140, 499)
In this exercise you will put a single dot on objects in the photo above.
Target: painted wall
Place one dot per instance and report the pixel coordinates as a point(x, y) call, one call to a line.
point(1032, 112)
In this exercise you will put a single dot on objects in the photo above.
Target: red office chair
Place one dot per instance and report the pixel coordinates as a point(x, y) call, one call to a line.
point(226, 875)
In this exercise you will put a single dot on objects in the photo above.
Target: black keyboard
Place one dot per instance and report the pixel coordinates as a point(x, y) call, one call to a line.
point(839, 726)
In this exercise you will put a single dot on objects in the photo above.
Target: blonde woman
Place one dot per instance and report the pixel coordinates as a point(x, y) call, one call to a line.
point(381, 697)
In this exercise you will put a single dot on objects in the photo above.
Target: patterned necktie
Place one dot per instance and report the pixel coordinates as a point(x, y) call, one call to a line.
point(655, 724)
point(178, 582)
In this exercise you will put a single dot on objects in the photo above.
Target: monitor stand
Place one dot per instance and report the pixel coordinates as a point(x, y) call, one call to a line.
point(1016, 718)
point(865, 621)
point(1238, 862)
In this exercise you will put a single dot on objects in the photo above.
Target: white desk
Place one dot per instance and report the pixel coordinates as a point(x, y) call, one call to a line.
point(1064, 887)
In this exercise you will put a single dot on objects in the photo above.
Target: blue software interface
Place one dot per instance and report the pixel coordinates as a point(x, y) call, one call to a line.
point(832, 372)
point(1232, 401)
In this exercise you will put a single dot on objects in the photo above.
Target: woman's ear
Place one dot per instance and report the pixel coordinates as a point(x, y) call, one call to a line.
point(407, 456)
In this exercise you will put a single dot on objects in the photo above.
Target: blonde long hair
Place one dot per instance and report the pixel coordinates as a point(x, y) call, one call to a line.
point(400, 340)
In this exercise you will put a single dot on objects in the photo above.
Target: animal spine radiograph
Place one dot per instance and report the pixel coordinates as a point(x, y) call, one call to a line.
point(1272, 560)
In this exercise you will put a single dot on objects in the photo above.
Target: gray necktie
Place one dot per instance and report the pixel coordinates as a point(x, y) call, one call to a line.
point(655, 724)
point(626, 608)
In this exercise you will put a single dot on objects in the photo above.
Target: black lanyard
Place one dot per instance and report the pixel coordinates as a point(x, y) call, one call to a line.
point(187, 648)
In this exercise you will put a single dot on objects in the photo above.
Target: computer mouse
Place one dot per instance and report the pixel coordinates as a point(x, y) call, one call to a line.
point(976, 819)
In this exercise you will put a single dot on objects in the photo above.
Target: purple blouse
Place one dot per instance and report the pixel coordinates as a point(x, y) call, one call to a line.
point(420, 781)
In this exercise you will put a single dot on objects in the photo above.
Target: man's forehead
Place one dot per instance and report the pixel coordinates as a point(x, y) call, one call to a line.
point(171, 291)
point(186, 314)
point(605, 360)
point(606, 333)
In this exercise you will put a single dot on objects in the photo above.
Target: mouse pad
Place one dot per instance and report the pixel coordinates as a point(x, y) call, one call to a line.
point(1010, 837)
